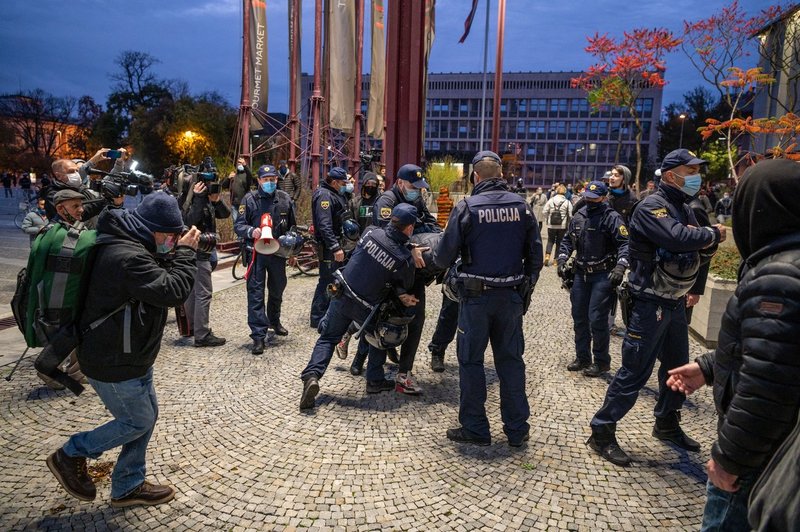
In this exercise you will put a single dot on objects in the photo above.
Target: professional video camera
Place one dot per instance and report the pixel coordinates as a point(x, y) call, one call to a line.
point(371, 156)
point(114, 185)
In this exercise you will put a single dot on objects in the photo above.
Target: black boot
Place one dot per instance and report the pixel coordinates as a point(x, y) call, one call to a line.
point(437, 361)
point(604, 442)
point(578, 364)
point(310, 391)
point(357, 367)
point(669, 429)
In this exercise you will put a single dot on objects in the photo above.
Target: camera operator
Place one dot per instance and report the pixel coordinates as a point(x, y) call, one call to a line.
point(201, 207)
point(67, 176)
point(132, 288)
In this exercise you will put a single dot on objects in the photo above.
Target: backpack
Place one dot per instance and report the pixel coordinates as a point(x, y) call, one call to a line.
point(50, 290)
point(556, 218)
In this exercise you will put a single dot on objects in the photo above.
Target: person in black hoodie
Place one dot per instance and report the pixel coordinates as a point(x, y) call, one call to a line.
point(132, 288)
point(755, 370)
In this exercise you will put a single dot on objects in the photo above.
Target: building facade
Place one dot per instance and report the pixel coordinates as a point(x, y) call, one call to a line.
point(547, 130)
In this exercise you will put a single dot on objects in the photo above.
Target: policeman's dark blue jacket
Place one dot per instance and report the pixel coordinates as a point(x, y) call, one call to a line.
point(382, 211)
point(658, 228)
point(327, 207)
point(380, 264)
point(498, 235)
point(598, 235)
point(278, 205)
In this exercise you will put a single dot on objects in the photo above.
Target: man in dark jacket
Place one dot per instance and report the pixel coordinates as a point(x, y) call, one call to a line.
point(240, 184)
point(66, 176)
point(755, 370)
point(202, 209)
point(289, 182)
point(132, 288)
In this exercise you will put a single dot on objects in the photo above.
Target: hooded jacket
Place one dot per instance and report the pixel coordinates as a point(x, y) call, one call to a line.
point(755, 369)
point(125, 269)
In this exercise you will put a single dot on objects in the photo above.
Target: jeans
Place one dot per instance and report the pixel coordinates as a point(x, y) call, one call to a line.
point(332, 327)
point(726, 511)
point(591, 299)
point(554, 236)
point(495, 316)
point(134, 406)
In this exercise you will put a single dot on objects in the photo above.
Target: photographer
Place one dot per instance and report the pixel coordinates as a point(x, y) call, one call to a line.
point(201, 207)
point(67, 176)
point(132, 288)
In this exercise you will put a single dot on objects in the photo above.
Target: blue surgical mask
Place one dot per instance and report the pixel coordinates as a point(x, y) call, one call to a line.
point(343, 190)
point(167, 246)
point(691, 184)
point(269, 187)
point(349, 188)
point(240, 167)
point(411, 194)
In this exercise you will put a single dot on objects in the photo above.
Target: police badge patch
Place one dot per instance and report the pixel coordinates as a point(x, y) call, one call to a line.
point(386, 213)
point(241, 209)
point(325, 204)
point(623, 230)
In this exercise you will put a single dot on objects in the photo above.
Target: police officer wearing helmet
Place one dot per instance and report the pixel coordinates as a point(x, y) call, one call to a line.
point(406, 189)
point(327, 207)
point(599, 238)
point(380, 268)
point(497, 236)
point(267, 199)
point(666, 249)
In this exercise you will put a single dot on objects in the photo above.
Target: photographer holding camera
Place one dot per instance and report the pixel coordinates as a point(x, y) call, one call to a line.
point(132, 287)
point(201, 207)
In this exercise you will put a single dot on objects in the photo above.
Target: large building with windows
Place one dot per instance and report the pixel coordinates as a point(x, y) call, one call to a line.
point(547, 130)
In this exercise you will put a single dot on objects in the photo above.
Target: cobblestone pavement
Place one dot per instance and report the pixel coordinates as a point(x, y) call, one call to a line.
point(241, 455)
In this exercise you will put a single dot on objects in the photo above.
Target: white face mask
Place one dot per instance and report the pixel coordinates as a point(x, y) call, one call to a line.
point(74, 179)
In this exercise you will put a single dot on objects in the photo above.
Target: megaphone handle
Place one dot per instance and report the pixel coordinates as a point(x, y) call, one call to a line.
point(250, 266)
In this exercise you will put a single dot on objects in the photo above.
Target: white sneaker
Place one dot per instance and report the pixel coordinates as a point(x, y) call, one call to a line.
point(404, 383)
point(341, 347)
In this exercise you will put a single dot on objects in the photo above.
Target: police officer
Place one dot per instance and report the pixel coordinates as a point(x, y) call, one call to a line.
point(327, 207)
point(277, 203)
point(382, 258)
point(599, 238)
point(666, 249)
point(497, 236)
point(406, 189)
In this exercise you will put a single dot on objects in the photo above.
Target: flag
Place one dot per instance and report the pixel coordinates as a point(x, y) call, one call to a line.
point(259, 74)
point(377, 72)
point(342, 63)
point(468, 22)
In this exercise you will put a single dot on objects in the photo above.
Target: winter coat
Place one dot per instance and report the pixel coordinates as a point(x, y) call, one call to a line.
point(562, 203)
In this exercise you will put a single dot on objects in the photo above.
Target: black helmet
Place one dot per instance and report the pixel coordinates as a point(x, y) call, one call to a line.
point(450, 283)
point(350, 230)
point(389, 332)
point(290, 243)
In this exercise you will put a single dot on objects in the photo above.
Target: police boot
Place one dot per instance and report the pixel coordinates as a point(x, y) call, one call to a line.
point(668, 428)
point(310, 391)
point(357, 367)
point(604, 442)
point(437, 361)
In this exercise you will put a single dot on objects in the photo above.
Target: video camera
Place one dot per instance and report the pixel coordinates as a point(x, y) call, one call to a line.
point(114, 185)
point(371, 156)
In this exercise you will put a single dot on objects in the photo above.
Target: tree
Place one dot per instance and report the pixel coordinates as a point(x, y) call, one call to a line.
point(135, 86)
point(624, 69)
point(37, 119)
point(89, 113)
point(698, 105)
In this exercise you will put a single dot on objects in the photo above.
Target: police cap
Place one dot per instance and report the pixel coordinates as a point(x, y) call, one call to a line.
point(405, 213)
point(680, 157)
point(267, 170)
point(337, 173)
point(486, 154)
point(595, 189)
point(413, 174)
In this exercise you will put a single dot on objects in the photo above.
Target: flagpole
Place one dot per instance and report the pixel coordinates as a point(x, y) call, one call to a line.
point(485, 67)
point(316, 95)
point(498, 75)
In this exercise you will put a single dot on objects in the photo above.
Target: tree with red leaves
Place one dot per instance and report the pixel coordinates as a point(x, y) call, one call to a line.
point(623, 70)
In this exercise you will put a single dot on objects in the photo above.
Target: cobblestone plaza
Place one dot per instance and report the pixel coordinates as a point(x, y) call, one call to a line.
point(232, 441)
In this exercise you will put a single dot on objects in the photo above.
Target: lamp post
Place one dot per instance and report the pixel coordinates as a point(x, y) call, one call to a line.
point(58, 141)
point(683, 121)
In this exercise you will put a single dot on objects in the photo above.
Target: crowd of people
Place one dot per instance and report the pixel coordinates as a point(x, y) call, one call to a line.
point(379, 251)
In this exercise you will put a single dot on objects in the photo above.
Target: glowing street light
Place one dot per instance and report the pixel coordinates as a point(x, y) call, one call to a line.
point(683, 121)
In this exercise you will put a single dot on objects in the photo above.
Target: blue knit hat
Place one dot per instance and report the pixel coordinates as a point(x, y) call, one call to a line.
point(159, 212)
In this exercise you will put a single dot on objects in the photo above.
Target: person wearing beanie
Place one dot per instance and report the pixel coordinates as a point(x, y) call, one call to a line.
point(142, 268)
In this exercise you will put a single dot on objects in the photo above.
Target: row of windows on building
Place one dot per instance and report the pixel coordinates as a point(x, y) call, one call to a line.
point(538, 129)
point(539, 107)
point(508, 84)
point(559, 152)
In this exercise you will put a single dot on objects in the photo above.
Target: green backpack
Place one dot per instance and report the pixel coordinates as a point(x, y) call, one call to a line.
point(57, 276)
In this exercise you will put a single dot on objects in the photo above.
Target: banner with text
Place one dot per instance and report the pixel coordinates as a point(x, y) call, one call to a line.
point(259, 75)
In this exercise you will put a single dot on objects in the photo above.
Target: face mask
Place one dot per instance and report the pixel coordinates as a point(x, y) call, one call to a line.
point(342, 189)
point(240, 167)
point(411, 194)
point(167, 246)
point(40, 211)
point(74, 179)
point(283, 170)
point(726, 196)
point(269, 187)
point(348, 188)
point(691, 184)
point(369, 191)
point(67, 217)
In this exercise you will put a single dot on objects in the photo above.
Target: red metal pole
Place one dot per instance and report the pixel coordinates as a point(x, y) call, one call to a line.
point(245, 109)
point(316, 95)
point(354, 155)
point(498, 75)
point(294, 74)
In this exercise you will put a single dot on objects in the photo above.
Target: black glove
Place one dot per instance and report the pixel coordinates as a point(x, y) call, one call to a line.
point(616, 275)
point(562, 268)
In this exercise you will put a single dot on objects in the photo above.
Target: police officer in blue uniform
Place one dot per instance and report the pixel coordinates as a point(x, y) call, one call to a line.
point(278, 204)
point(327, 207)
point(599, 238)
point(497, 236)
point(666, 249)
point(406, 189)
point(381, 267)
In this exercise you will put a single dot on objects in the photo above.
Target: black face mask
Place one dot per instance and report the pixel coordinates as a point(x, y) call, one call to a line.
point(368, 192)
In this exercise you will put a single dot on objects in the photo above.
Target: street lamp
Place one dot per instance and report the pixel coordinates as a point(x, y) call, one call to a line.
point(58, 141)
point(189, 137)
point(683, 121)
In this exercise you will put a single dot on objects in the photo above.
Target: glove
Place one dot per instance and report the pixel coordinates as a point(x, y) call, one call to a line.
point(616, 275)
point(562, 268)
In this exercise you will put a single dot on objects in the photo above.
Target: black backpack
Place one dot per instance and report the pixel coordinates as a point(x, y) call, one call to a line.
point(555, 216)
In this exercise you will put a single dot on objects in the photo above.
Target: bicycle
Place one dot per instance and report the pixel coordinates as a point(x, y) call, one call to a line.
point(239, 267)
point(25, 206)
point(305, 260)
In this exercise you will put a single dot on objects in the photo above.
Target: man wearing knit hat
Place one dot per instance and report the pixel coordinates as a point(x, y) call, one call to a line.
point(126, 306)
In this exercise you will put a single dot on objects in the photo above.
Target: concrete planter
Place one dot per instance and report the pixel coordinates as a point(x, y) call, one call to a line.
point(707, 314)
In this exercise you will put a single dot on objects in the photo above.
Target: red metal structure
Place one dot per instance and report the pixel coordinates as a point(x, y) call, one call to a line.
point(294, 73)
point(405, 91)
point(245, 108)
point(316, 96)
point(498, 75)
point(355, 160)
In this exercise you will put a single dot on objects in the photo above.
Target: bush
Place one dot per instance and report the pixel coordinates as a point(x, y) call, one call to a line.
point(442, 173)
point(725, 263)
